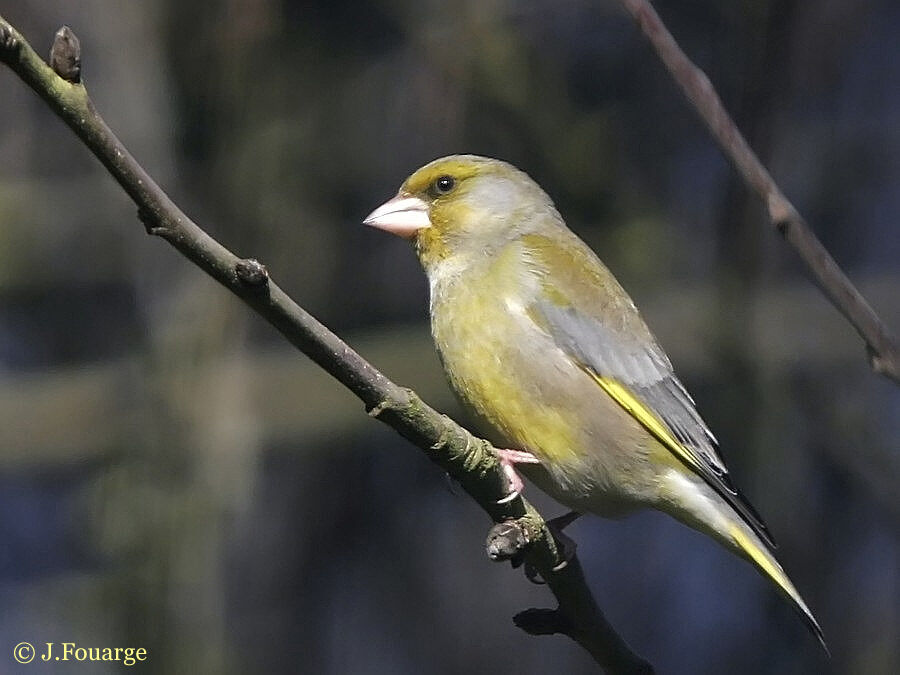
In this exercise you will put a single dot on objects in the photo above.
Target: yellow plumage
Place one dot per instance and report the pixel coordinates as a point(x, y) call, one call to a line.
point(541, 341)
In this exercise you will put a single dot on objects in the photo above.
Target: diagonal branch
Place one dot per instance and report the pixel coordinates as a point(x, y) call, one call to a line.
point(881, 346)
point(467, 459)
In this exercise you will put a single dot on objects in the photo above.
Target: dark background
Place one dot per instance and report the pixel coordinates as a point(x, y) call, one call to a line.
point(174, 477)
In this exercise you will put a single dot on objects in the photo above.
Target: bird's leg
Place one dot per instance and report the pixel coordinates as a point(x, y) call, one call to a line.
point(564, 544)
point(508, 460)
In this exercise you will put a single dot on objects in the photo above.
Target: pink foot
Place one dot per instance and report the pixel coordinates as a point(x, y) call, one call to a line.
point(508, 460)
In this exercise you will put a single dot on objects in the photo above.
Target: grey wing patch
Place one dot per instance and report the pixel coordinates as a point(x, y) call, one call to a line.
point(647, 372)
point(644, 368)
point(671, 401)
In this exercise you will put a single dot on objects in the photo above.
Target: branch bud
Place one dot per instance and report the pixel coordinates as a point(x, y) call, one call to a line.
point(65, 55)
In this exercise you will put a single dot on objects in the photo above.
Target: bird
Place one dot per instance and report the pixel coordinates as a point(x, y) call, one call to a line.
point(541, 342)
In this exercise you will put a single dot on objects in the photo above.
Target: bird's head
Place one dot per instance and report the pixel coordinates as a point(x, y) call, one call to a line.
point(463, 205)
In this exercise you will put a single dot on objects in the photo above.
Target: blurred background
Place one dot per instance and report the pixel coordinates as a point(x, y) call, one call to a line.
point(173, 476)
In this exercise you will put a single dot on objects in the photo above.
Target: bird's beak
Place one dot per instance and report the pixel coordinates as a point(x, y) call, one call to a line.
point(403, 216)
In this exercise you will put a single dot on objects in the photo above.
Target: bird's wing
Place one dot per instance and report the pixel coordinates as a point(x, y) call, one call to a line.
point(623, 358)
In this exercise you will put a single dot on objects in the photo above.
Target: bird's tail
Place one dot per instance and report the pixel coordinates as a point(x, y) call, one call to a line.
point(696, 504)
point(740, 538)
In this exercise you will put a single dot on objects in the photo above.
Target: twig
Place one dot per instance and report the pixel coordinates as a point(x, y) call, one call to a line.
point(468, 459)
point(881, 346)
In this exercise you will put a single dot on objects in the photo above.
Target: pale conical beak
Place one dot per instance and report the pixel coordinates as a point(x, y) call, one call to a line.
point(403, 216)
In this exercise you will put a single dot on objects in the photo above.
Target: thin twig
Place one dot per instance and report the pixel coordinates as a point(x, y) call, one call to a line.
point(468, 459)
point(881, 346)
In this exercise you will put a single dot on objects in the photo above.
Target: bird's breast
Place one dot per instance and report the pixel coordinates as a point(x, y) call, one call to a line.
point(511, 373)
point(500, 364)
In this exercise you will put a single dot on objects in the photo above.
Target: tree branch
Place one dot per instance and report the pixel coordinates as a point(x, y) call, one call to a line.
point(881, 346)
point(467, 459)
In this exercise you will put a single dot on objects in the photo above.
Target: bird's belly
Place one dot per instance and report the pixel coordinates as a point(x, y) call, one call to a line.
point(593, 455)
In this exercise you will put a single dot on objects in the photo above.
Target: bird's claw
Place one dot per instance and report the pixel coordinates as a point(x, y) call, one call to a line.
point(508, 460)
point(515, 482)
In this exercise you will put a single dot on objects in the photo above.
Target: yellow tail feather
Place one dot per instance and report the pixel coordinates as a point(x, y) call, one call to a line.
point(767, 564)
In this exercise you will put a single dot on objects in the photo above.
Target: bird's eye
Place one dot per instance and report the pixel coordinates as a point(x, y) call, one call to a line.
point(444, 184)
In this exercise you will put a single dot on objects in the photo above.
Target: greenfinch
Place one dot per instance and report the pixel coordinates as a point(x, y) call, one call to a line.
point(539, 340)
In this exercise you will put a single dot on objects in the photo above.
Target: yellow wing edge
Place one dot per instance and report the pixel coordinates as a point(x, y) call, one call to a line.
point(647, 419)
